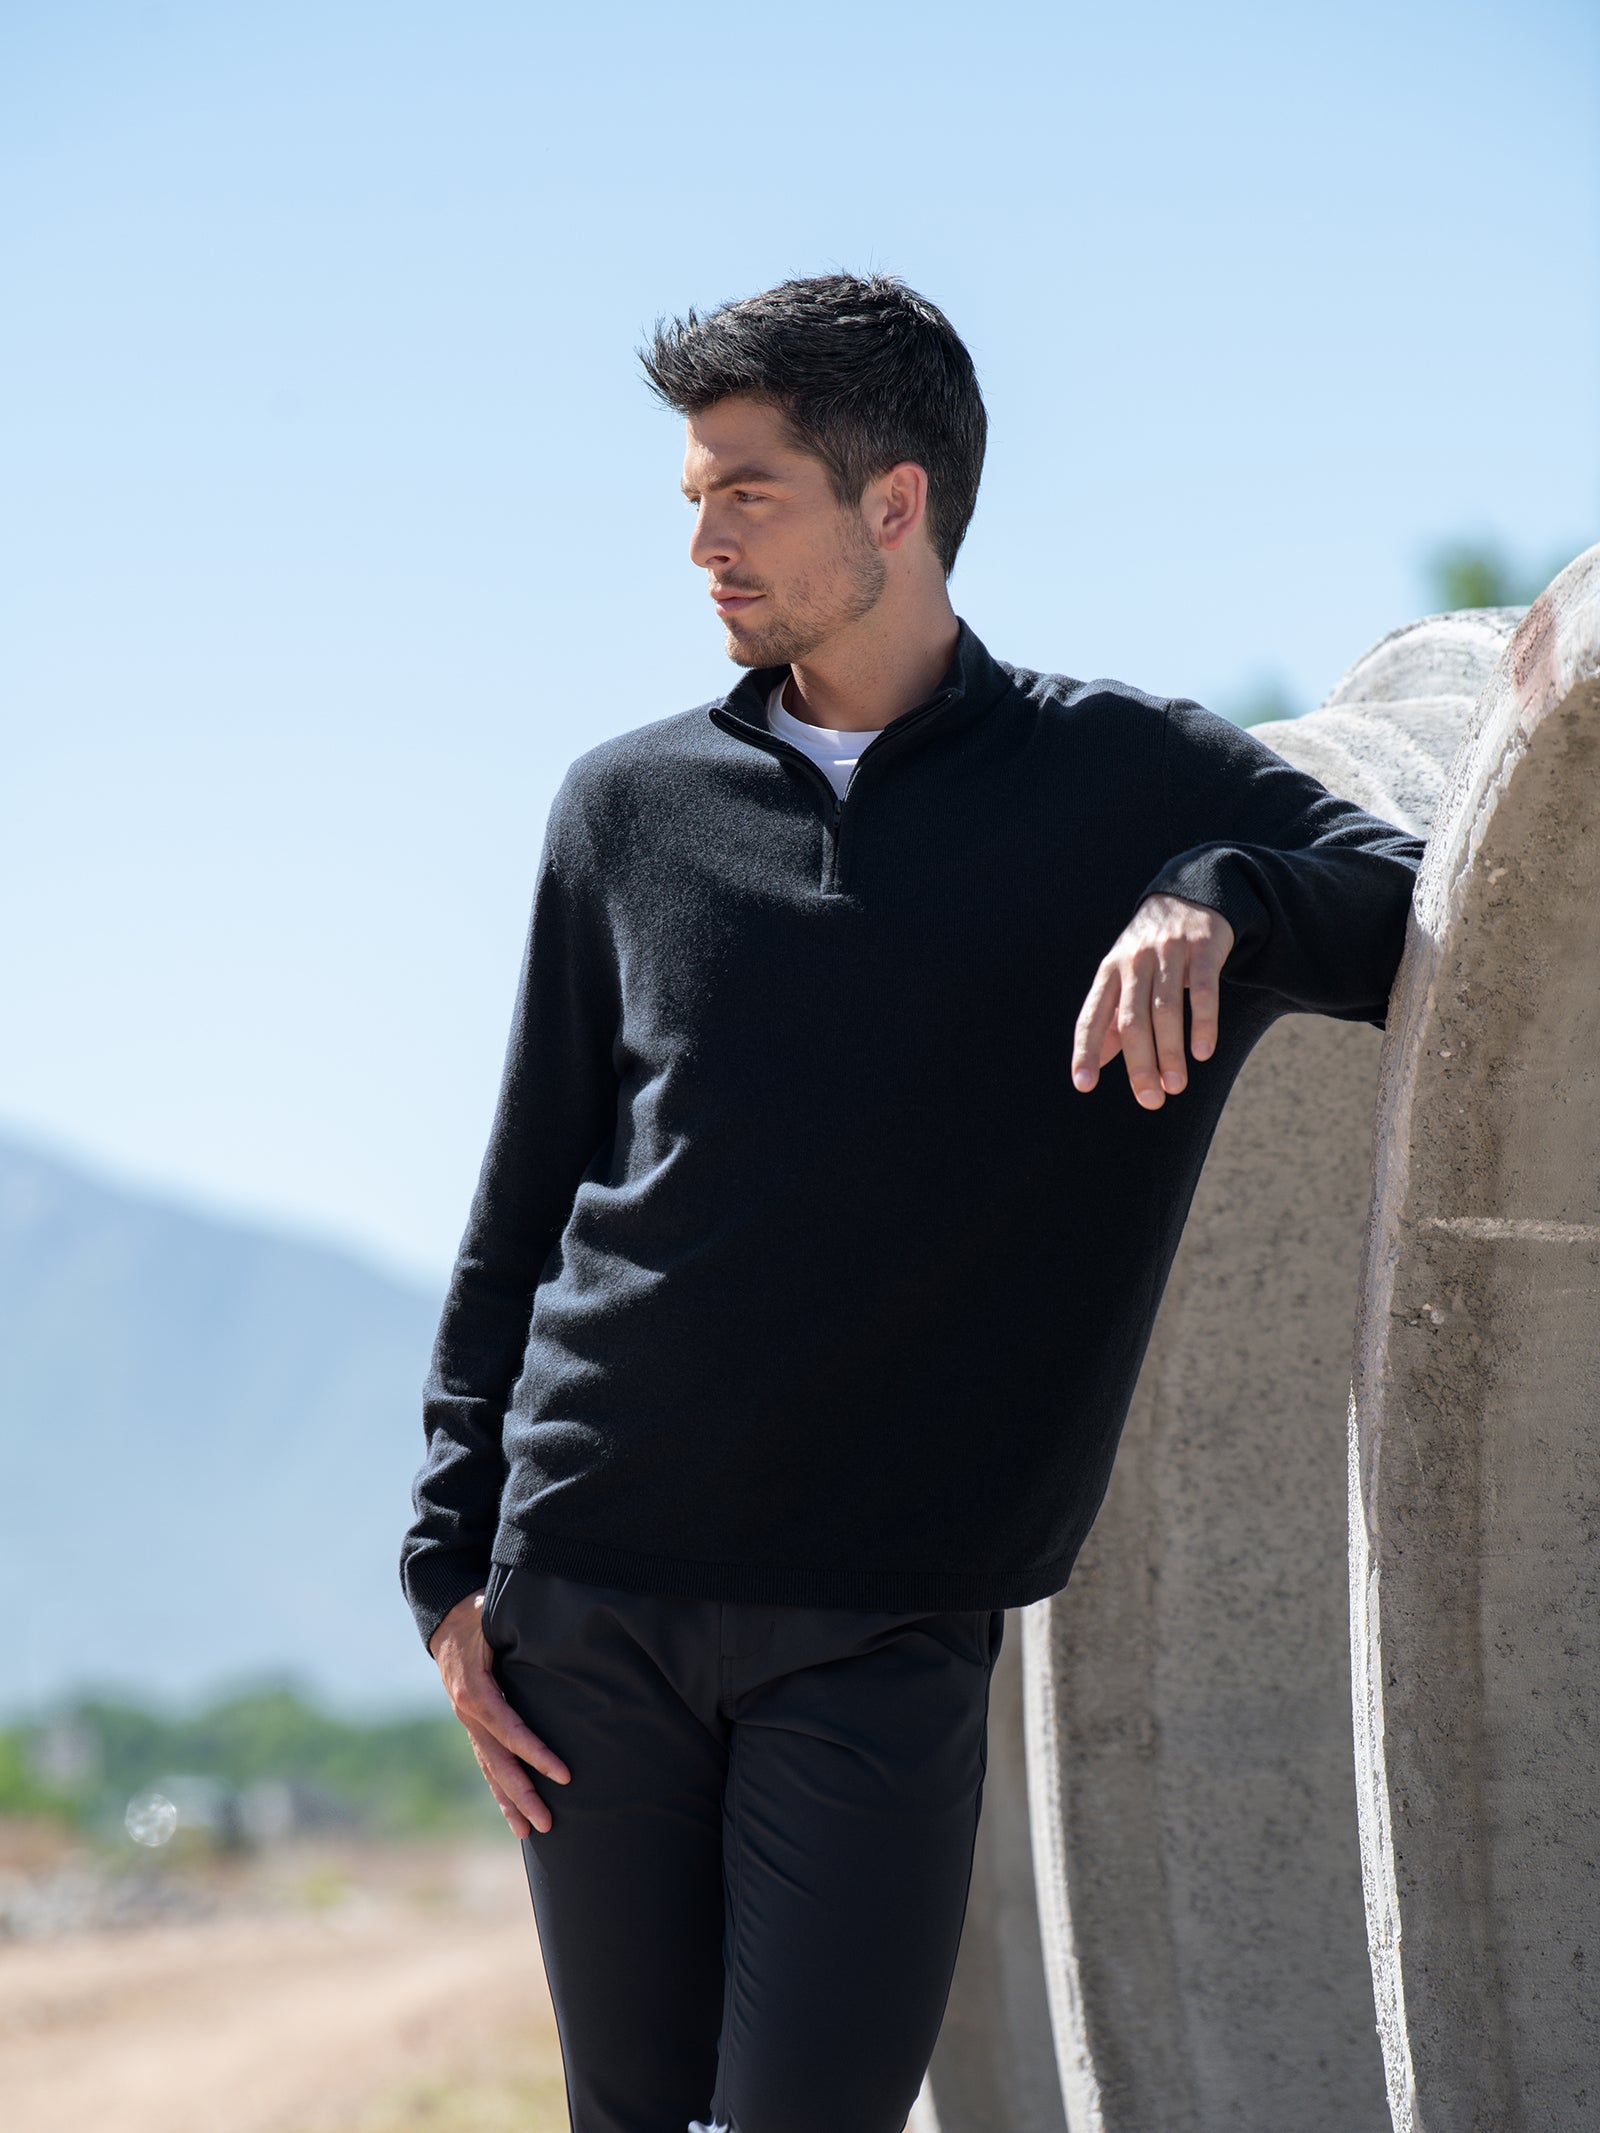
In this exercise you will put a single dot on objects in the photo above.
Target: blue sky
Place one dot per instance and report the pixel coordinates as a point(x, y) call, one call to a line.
point(336, 520)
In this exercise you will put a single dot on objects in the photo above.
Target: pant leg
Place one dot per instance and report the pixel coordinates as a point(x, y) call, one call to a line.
point(627, 1885)
point(854, 1789)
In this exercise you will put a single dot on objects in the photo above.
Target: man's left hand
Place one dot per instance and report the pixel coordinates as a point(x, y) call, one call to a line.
point(1135, 1005)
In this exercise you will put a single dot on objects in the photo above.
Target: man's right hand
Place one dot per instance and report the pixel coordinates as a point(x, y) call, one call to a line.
point(500, 1741)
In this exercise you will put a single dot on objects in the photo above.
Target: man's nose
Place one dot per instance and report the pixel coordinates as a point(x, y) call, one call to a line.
point(711, 547)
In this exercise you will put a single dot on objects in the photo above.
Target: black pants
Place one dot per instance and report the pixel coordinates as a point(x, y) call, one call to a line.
point(750, 1902)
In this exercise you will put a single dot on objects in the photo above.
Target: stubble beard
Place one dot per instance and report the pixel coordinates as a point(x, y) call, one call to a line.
point(811, 615)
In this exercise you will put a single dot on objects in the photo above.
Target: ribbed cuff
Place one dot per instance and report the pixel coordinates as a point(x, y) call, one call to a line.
point(1212, 875)
point(437, 1580)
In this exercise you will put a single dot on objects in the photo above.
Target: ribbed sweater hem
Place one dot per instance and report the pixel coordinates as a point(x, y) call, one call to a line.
point(891, 1589)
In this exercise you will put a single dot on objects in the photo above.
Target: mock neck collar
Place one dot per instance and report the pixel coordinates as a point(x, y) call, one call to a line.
point(967, 687)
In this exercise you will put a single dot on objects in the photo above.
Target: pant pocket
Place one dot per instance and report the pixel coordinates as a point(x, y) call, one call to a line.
point(494, 1586)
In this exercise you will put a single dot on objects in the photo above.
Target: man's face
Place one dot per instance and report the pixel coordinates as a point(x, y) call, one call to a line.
point(787, 565)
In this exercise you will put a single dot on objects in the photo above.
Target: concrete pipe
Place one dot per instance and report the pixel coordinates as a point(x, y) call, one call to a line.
point(1475, 1442)
point(1188, 1713)
point(994, 2068)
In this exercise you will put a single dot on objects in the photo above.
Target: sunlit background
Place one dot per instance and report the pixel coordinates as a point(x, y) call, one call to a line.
point(337, 520)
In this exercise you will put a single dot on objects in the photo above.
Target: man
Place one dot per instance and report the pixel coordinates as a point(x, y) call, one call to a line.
point(815, 1250)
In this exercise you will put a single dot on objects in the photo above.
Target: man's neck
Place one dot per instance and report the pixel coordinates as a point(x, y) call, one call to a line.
point(863, 679)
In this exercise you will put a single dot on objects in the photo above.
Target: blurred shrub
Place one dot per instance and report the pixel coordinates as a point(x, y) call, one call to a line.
point(1480, 574)
point(1269, 699)
point(396, 1777)
point(22, 1790)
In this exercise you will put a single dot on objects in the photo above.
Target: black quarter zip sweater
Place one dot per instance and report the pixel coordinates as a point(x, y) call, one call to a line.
point(798, 1271)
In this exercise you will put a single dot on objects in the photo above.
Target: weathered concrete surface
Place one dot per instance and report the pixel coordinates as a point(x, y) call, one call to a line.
point(1388, 732)
point(1188, 1694)
point(1475, 1468)
point(994, 2069)
point(1192, 1682)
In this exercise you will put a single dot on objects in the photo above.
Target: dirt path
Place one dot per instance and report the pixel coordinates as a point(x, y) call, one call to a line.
point(292, 2023)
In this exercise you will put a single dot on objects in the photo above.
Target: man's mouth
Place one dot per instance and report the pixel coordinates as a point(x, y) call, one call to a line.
point(732, 599)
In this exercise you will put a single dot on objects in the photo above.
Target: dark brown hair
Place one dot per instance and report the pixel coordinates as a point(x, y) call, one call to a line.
point(865, 372)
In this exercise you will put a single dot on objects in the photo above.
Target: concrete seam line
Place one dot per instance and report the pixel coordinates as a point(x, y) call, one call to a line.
point(1080, 2085)
point(1378, 1885)
point(1515, 1229)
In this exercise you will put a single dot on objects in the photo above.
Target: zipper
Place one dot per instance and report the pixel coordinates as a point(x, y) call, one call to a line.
point(896, 729)
point(786, 751)
point(832, 883)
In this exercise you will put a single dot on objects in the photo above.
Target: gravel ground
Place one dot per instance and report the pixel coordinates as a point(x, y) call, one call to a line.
point(337, 1990)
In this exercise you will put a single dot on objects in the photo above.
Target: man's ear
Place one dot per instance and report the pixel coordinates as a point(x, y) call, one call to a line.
point(899, 500)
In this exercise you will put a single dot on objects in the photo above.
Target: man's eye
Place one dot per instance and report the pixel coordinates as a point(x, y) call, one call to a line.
point(748, 496)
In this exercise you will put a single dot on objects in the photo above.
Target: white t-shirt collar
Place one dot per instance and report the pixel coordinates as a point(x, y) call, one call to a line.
point(835, 754)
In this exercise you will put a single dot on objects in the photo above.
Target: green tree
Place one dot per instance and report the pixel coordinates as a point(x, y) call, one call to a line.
point(22, 1791)
point(398, 1776)
point(1480, 574)
point(1268, 699)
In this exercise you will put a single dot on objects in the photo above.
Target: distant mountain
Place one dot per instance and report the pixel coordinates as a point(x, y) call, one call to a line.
point(207, 1438)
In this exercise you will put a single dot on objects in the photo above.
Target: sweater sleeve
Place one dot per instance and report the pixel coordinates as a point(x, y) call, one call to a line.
point(1315, 889)
point(555, 1114)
